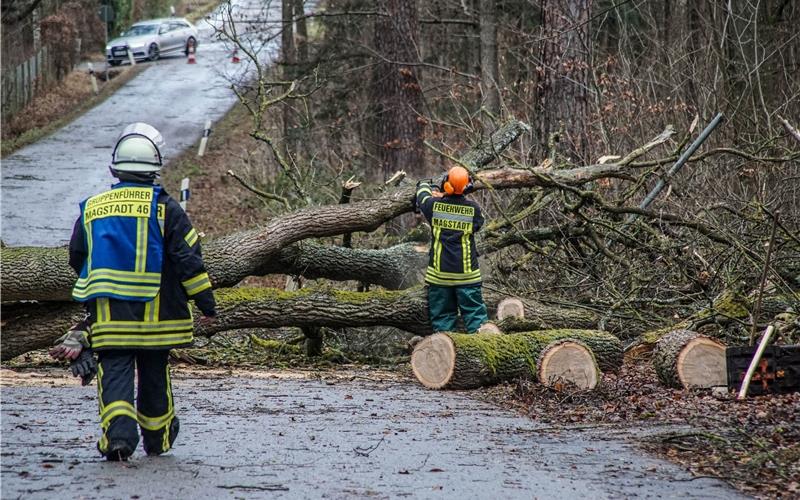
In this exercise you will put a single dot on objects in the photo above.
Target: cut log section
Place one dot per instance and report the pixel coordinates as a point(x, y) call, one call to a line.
point(568, 362)
point(510, 307)
point(459, 361)
point(684, 358)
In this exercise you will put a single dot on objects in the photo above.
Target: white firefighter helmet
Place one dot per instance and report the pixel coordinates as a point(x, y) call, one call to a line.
point(138, 149)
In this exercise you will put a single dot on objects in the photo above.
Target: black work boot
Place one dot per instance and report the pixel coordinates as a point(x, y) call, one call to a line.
point(118, 451)
point(174, 427)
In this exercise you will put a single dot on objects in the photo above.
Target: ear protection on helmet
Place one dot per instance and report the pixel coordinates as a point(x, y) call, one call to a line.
point(449, 189)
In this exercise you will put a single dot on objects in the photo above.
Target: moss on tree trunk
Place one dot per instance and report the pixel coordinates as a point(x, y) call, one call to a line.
point(461, 361)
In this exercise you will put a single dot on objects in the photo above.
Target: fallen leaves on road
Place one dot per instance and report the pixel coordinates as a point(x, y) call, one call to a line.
point(753, 444)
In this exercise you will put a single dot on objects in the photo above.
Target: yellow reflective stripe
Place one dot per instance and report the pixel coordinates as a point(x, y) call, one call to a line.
point(191, 281)
point(191, 237)
point(117, 409)
point(441, 274)
point(155, 423)
point(103, 309)
point(100, 385)
point(114, 288)
point(170, 408)
point(87, 227)
point(152, 309)
point(465, 260)
point(452, 282)
point(141, 245)
point(113, 274)
point(197, 284)
point(169, 390)
point(103, 444)
point(138, 326)
point(162, 208)
point(141, 341)
point(437, 248)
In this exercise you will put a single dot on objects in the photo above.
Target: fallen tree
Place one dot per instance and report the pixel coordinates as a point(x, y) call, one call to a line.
point(30, 326)
point(729, 308)
point(460, 361)
point(43, 273)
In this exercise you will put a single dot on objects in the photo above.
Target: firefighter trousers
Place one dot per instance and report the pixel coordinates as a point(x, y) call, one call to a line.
point(154, 412)
point(445, 302)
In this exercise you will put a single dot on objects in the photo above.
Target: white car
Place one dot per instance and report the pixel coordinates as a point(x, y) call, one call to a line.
point(152, 39)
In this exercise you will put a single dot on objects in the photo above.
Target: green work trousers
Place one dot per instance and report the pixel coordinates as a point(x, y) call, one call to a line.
point(445, 302)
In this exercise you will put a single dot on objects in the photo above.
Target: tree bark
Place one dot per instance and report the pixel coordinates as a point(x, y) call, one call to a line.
point(683, 358)
point(395, 91)
point(490, 73)
point(460, 361)
point(289, 60)
point(302, 33)
point(38, 273)
point(564, 78)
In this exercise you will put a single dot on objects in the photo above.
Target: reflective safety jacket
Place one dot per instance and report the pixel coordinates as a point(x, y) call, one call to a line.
point(454, 221)
point(139, 261)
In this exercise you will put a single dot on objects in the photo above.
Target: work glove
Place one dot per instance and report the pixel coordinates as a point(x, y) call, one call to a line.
point(85, 366)
point(70, 345)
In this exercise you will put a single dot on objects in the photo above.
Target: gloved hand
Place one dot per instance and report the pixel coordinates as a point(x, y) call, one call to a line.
point(85, 366)
point(70, 345)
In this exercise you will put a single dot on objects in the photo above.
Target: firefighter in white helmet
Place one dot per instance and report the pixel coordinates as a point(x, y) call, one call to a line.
point(138, 261)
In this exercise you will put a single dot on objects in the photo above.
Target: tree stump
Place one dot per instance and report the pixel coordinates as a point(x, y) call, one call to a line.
point(683, 358)
point(459, 361)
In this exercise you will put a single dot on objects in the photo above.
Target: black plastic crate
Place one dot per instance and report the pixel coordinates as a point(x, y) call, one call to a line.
point(778, 371)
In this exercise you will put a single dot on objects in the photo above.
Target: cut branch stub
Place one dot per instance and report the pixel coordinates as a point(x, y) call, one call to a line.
point(683, 358)
point(510, 307)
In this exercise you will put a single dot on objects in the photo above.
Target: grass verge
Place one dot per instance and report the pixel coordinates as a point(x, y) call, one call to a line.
point(57, 106)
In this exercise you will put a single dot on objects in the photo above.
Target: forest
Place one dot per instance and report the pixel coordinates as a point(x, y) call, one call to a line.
point(638, 162)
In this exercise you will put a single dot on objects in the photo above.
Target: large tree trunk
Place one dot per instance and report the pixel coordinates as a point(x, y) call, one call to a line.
point(460, 361)
point(38, 273)
point(289, 70)
point(490, 73)
point(395, 93)
point(564, 81)
point(31, 326)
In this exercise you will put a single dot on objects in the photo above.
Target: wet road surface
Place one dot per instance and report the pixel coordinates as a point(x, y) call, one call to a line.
point(43, 183)
point(259, 436)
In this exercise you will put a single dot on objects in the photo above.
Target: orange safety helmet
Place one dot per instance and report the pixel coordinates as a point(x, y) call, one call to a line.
point(457, 181)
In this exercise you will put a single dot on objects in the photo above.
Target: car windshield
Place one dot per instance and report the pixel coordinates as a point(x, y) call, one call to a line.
point(145, 29)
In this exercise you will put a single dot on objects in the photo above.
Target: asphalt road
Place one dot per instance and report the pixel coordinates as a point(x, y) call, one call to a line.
point(43, 183)
point(261, 435)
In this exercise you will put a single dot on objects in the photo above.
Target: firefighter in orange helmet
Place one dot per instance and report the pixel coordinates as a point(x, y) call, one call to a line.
point(453, 275)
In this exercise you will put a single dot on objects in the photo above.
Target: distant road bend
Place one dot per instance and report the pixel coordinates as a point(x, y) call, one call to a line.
point(43, 183)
